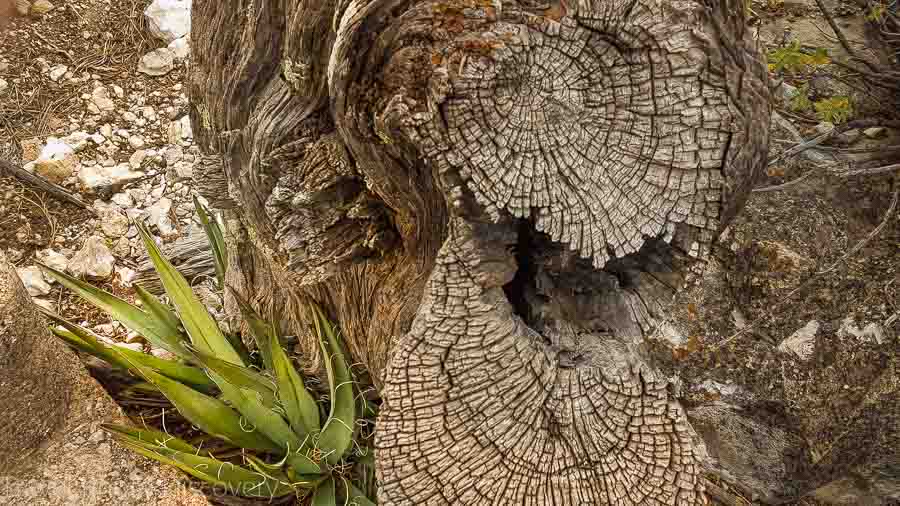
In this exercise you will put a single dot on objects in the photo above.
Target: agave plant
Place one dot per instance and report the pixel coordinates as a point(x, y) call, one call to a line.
point(267, 411)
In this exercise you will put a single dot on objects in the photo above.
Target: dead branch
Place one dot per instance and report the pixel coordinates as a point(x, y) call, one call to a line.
point(42, 184)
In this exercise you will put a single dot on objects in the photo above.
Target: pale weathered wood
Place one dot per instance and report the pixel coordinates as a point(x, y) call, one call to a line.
point(497, 200)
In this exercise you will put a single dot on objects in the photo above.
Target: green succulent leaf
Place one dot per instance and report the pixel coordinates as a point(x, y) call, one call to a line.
point(208, 413)
point(156, 308)
point(259, 329)
point(337, 433)
point(355, 496)
point(300, 407)
point(148, 437)
point(123, 358)
point(238, 376)
point(200, 326)
point(216, 241)
point(270, 424)
point(235, 479)
point(158, 330)
point(325, 494)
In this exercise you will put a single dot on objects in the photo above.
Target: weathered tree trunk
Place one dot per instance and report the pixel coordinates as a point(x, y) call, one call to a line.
point(497, 200)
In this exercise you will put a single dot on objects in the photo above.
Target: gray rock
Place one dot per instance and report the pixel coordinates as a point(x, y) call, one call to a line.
point(173, 155)
point(802, 342)
point(53, 259)
point(113, 222)
point(57, 72)
point(101, 99)
point(93, 260)
point(137, 159)
point(123, 200)
point(33, 279)
point(122, 248)
point(78, 141)
point(98, 177)
point(158, 215)
point(168, 20)
point(873, 332)
point(136, 141)
point(157, 63)
point(181, 48)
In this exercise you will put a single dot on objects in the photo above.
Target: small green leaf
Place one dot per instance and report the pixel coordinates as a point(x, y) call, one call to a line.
point(148, 437)
point(234, 479)
point(300, 407)
point(156, 308)
point(84, 340)
point(259, 329)
point(202, 329)
point(216, 241)
point(337, 433)
point(158, 330)
point(325, 494)
point(239, 376)
point(208, 413)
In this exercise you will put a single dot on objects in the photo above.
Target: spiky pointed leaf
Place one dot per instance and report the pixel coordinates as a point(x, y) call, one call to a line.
point(337, 433)
point(216, 241)
point(148, 437)
point(155, 329)
point(84, 340)
point(235, 479)
point(200, 326)
point(300, 407)
point(259, 330)
point(210, 414)
point(239, 376)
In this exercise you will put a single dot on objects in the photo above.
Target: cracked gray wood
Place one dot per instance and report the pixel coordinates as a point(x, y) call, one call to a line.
point(497, 200)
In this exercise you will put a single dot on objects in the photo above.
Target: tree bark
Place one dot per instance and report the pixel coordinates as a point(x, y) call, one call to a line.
point(497, 200)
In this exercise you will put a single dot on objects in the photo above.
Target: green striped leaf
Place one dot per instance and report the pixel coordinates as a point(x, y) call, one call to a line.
point(239, 376)
point(200, 326)
point(148, 437)
point(300, 407)
point(216, 241)
point(156, 308)
point(259, 330)
point(337, 433)
point(158, 330)
point(270, 424)
point(123, 358)
point(208, 413)
point(236, 480)
point(325, 494)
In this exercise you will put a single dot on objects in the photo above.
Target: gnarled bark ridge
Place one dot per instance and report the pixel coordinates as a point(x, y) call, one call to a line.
point(496, 199)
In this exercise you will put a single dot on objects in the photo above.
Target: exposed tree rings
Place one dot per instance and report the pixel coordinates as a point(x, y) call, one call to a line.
point(606, 139)
point(478, 411)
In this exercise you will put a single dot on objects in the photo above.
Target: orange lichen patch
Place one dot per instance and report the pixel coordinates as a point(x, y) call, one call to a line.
point(483, 47)
point(436, 58)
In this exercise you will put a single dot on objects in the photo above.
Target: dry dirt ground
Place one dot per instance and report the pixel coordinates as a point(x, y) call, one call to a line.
point(789, 259)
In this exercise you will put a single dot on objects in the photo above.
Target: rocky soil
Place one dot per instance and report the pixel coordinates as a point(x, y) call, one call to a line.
point(91, 98)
